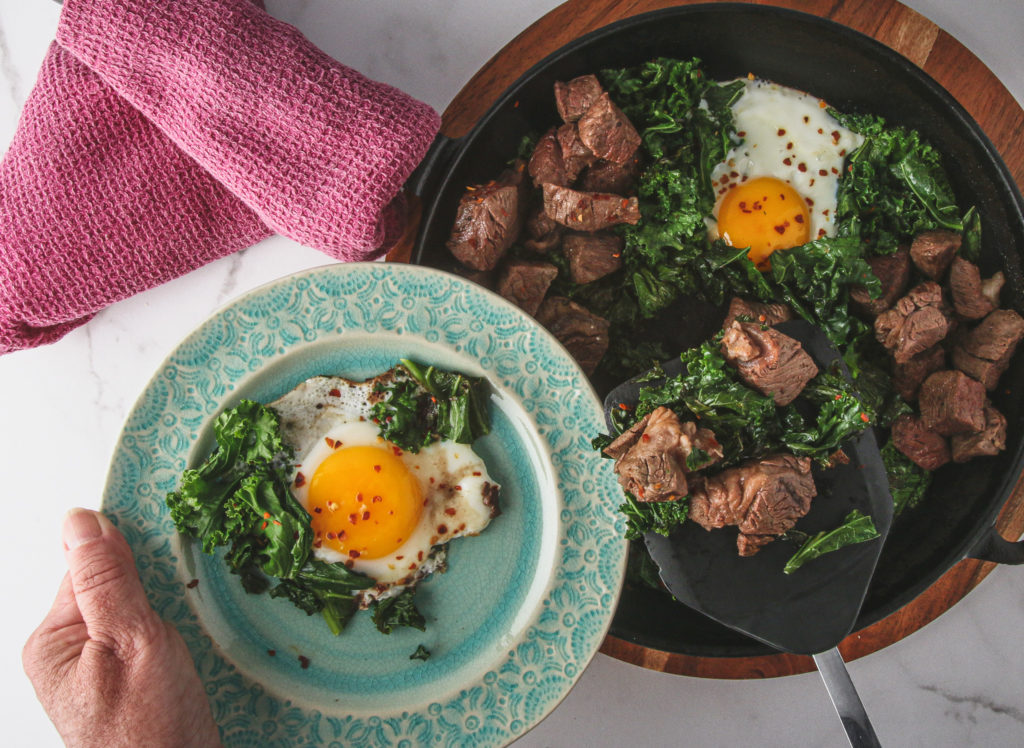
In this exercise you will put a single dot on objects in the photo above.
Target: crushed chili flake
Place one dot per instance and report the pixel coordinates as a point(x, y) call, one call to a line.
point(864, 417)
point(304, 661)
point(450, 511)
point(335, 392)
point(353, 554)
point(272, 652)
point(193, 584)
point(300, 480)
point(376, 468)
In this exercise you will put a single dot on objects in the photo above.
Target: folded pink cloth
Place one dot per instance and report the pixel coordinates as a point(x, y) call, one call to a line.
point(163, 134)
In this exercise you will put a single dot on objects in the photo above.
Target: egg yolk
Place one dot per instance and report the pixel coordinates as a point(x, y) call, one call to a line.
point(764, 214)
point(363, 501)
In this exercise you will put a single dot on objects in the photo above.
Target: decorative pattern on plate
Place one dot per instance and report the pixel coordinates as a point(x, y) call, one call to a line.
point(362, 317)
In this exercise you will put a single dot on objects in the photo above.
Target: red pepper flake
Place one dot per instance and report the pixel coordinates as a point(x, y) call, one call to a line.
point(396, 450)
point(341, 535)
point(399, 558)
point(477, 473)
point(193, 584)
point(352, 518)
point(787, 161)
point(781, 228)
point(806, 119)
point(377, 499)
point(781, 132)
point(419, 556)
point(835, 137)
point(366, 516)
point(762, 318)
point(264, 526)
point(304, 661)
point(331, 536)
point(266, 515)
point(839, 396)
point(332, 505)
point(822, 173)
point(801, 166)
point(335, 392)
point(272, 652)
point(353, 554)
point(798, 218)
point(645, 437)
point(864, 417)
point(442, 529)
point(277, 523)
point(623, 406)
point(300, 480)
point(376, 468)
point(515, 105)
point(450, 511)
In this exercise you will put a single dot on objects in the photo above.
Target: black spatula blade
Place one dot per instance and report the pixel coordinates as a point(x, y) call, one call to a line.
point(815, 607)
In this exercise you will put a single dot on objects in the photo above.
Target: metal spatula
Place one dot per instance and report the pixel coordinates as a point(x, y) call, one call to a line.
point(813, 609)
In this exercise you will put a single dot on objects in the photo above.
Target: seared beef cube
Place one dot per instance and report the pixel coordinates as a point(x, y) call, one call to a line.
point(991, 440)
point(908, 376)
point(952, 403)
point(546, 163)
point(985, 352)
point(575, 97)
point(583, 333)
point(893, 272)
point(765, 314)
point(917, 322)
point(652, 459)
point(608, 176)
point(575, 155)
point(748, 545)
point(592, 256)
point(542, 233)
point(969, 300)
point(923, 447)
point(932, 251)
point(770, 362)
point(588, 211)
point(607, 132)
point(763, 497)
point(488, 221)
point(525, 282)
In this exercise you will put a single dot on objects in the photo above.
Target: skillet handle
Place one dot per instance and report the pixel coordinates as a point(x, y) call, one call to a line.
point(991, 546)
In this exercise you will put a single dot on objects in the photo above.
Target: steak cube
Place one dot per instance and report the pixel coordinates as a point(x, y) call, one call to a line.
point(608, 176)
point(546, 163)
point(893, 272)
point(588, 211)
point(908, 376)
point(592, 256)
point(525, 283)
point(952, 403)
point(576, 156)
point(583, 333)
point(969, 300)
point(918, 321)
point(985, 352)
point(607, 132)
point(542, 233)
point(770, 362)
point(575, 97)
point(923, 447)
point(991, 440)
point(932, 251)
point(488, 221)
point(652, 459)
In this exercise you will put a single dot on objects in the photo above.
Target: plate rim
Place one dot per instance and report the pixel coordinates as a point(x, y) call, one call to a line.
point(184, 616)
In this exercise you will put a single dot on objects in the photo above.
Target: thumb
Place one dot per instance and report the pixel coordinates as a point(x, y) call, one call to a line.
point(106, 586)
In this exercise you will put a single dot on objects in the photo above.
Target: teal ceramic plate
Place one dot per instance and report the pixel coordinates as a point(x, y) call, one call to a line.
point(522, 608)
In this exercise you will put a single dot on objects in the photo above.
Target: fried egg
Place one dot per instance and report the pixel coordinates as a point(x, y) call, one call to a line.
point(380, 510)
point(776, 188)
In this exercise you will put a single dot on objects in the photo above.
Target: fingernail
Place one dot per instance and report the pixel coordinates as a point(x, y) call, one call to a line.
point(80, 526)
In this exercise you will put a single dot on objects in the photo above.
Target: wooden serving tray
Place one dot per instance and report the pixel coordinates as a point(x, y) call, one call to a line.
point(953, 67)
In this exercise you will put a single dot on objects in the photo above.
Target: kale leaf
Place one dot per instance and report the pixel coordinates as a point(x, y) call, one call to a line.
point(895, 186)
point(399, 610)
point(856, 528)
point(908, 483)
point(653, 516)
point(421, 653)
point(240, 496)
point(423, 404)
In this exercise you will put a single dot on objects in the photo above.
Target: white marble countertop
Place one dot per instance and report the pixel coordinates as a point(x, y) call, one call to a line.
point(957, 682)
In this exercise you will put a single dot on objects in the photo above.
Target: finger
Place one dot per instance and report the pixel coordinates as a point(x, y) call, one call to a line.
point(56, 642)
point(106, 586)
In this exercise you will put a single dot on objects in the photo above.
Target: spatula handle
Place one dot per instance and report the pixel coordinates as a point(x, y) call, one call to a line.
point(845, 699)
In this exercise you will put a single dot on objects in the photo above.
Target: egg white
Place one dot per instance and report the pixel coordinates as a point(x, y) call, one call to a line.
point(787, 134)
point(327, 413)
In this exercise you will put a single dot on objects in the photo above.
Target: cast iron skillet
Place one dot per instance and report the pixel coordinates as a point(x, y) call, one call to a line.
point(854, 73)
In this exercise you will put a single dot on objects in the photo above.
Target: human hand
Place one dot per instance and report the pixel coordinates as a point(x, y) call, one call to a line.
point(107, 669)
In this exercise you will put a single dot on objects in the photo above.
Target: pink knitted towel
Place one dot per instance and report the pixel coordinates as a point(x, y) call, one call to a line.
point(163, 134)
